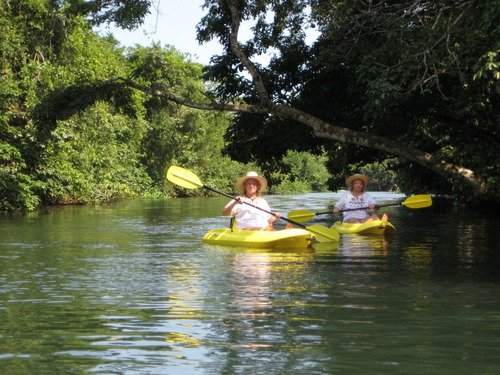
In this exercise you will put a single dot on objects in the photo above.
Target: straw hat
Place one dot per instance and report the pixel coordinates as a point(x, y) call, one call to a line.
point(349, 180)
point(240, 184)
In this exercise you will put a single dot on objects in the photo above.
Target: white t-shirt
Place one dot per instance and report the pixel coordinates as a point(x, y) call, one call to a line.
point(248, 216)
point(348, 201)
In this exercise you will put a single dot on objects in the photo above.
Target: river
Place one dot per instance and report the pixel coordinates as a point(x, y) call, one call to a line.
point(129, 288)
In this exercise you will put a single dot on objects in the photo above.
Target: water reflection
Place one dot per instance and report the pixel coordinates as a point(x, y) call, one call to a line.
point(359, 244)
point(260, 291)
point(131, 289)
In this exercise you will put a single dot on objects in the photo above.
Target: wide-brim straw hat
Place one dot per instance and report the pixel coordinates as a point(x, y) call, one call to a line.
point(240, 184)
point(349, 180)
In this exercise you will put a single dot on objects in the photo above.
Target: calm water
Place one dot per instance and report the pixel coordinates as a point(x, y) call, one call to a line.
point(130, 288)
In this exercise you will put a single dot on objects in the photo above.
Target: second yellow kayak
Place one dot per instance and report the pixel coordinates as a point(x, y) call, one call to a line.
point(369, 227)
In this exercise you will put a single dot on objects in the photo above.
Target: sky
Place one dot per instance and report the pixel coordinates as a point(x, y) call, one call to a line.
point(175, 24)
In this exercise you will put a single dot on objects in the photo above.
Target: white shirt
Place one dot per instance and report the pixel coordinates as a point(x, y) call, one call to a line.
point(248, 216)
point(349, 201)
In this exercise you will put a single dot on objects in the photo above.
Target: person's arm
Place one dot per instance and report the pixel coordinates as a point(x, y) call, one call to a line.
point(340, 204)
point(265, 206)
point(373, 204)
point(226, 211)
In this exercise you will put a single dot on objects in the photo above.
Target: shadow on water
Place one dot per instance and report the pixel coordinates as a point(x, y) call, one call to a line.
point(130, 288)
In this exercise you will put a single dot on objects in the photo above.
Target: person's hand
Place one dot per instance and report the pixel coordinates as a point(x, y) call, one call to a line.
point(274, 217)
point(335, 210)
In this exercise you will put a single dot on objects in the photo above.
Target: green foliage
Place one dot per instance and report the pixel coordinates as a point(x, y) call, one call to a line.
point(127, 14)
point(424, 81)
point(488, 70)
point(176, 134)
point(424, 74)
point(65, 136)
point(70, 135)
point(15, 186)
point(381, 178)
point(307, 173)
point(93, 157)
point(268, 143)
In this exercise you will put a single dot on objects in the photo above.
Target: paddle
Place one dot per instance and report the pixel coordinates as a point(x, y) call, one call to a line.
point(189, 180)
point(416, 201)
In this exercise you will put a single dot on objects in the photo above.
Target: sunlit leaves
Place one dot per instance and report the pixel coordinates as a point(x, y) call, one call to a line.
point(488, 69)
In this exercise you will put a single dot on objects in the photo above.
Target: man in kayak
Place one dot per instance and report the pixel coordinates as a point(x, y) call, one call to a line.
point(246, 216)
point(356, 197)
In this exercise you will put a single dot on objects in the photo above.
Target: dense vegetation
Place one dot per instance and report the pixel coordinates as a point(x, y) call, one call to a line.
point(419, 80)
point(72, 131)
point(68, 137)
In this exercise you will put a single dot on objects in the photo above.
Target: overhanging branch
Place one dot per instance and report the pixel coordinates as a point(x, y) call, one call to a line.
point(326, 130)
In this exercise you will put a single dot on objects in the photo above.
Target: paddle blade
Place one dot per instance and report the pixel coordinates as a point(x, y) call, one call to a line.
point(418, 201)
point(301, 215)
point(324, 234)
point(183, 177)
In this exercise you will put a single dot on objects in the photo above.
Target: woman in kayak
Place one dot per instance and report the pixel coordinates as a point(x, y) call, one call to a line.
point(246, 216)
point(356, 197)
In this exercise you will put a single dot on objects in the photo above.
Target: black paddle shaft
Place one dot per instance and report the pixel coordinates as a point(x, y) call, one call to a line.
point(358, 209)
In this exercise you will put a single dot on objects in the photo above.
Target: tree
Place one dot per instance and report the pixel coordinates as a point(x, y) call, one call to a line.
point(304, 173)
point(394, 56)
point(127, 14)
point(410, 69)
point(384, 79)
point(66, 136)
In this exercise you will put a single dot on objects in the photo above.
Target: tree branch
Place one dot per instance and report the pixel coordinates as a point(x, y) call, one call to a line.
point(246, 108)
point(326, 130)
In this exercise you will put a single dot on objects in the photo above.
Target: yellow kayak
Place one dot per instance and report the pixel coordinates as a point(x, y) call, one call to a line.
point(369, 227)
point(285, 238)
